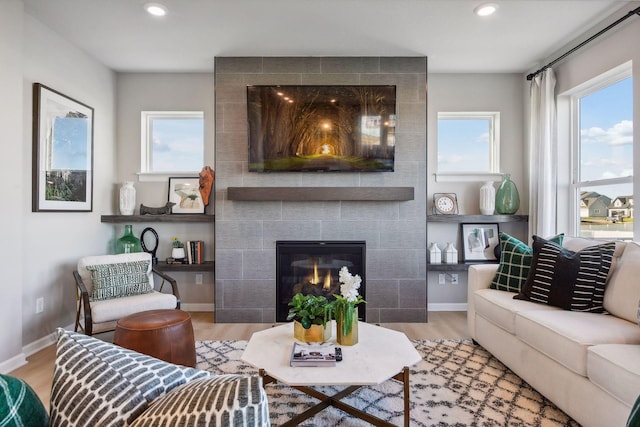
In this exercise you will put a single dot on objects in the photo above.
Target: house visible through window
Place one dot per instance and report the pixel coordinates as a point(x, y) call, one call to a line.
point(468, 142)
point(172, 141)
point(602, 121)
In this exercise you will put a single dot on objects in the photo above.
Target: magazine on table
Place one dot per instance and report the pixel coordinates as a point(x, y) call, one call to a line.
point(311, 354)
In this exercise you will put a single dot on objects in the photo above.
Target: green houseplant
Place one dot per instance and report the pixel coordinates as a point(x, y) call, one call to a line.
point(312, 316)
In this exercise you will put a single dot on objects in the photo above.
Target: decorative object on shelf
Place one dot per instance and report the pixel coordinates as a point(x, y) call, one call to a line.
point(152, 251)
point(487, 198)
point(311, 317)
point(507, 197)
point(345, 308)
point(185, 193)
point(177, 252)
point(435, 254)
point(450, 254)
point(445, 204)
point(478, 242)
point(205, 180)
point(65, 184)
point(164, 210)
point(128, 243)
point(127, 198)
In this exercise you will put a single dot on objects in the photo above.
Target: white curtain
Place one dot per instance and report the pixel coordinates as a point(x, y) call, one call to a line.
point(543, 156)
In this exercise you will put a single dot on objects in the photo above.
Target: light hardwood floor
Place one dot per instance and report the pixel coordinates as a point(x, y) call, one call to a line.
point(38, 372)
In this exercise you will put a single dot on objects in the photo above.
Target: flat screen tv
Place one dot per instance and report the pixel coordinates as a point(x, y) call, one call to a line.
point(321, 128)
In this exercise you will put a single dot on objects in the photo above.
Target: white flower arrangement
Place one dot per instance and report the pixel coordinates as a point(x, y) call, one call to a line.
point(349, 285)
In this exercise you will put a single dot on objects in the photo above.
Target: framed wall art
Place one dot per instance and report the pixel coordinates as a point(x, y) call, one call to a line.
point(62, 176)
point(185, 193)
point(479, 242)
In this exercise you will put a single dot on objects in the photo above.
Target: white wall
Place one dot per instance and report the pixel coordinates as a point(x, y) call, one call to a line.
point(15, 190)
point(474, 92)
point(44, 247)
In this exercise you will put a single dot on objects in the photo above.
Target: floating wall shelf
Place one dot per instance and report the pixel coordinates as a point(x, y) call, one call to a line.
point(320, 193)
point(477, 218)
point(122, 219)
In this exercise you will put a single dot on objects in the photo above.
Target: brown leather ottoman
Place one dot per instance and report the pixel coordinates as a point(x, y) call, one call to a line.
point(164, 334)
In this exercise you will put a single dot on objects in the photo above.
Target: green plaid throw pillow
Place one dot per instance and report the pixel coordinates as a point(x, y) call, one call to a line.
point(515, 263)
point(20, 405)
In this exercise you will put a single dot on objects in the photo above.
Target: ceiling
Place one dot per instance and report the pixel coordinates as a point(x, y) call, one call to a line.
point(517, 38)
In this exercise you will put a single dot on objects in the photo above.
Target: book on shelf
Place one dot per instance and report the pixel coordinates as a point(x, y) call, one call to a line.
point(195, 251)
point(312, 354)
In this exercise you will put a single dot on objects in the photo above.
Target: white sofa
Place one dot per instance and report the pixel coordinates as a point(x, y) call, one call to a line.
point(587, 364)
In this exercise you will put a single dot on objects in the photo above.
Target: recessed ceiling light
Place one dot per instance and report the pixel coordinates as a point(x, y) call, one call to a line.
point(486, 9)
point(155, 9)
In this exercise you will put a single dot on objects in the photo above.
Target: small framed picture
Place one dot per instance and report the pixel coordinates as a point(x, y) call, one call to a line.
point(479, 242)
point(185, 193)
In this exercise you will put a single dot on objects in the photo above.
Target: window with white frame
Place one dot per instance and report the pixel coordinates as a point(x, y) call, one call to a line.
point(602, 159)
point(468, 143)
point(172, 142)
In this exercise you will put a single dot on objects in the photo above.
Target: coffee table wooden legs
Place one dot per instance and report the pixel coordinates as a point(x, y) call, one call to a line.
point(335, 400)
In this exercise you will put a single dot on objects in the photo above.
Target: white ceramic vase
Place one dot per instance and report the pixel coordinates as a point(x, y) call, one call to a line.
point(435, 254)
point(487, 198)
point(127, 198)
point(450, 254)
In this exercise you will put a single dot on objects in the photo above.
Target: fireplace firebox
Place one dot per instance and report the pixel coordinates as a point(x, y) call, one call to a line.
point(312, 267)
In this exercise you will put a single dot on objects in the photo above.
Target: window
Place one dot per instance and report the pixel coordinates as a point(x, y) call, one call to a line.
point(468, 143)
point(602, 146)
point(172, 142)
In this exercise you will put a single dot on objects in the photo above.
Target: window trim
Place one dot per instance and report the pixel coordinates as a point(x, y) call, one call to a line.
point(573, 96)
point(146, 117)
point(494, 148)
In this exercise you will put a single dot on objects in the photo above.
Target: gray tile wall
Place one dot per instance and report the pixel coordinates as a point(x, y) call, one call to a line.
point(246, 232)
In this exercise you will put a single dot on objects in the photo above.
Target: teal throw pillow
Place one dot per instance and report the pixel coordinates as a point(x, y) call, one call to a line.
point(20, 405)
point(515, 263)
point(121, 279)
point(634, 416)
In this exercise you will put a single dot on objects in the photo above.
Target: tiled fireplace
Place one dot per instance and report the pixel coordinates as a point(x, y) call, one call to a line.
point(246, 231)
point(312, 267)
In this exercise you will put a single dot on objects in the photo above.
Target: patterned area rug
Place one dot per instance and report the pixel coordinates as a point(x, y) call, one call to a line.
point(456, 384)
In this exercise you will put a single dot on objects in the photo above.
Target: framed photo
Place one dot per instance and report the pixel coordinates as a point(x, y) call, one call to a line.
point(479, 242)
point(185, 193)
point(62, 176)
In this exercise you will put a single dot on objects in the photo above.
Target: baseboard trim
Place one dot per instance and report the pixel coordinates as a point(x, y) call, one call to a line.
point(13, 363)
point(445, 306)
point(197, 307)
point(43, 342)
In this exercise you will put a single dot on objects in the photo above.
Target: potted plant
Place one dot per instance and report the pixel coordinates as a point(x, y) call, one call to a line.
point(311, 317)
point(177, 252)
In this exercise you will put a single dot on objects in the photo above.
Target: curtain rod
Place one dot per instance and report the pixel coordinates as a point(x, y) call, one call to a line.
point(598, 34)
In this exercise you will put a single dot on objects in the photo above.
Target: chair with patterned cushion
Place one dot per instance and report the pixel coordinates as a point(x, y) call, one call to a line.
point(110, 287)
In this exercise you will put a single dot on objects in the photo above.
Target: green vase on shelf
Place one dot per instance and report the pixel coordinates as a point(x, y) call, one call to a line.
point(128, 243)
point(507, 197)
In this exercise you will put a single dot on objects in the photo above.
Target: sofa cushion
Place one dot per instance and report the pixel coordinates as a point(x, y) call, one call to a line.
point(114, 309)
point(98, 383)
point(500, 308)
point(20, 405)
point(570, 280)
point(224, 400)
point(565, 336)
point(515, 262)
point(616, 369)
point(119, 280)
point(623, 290)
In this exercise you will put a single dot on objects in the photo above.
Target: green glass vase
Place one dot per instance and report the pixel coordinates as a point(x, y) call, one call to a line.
point(128, 243)
point(507, 197)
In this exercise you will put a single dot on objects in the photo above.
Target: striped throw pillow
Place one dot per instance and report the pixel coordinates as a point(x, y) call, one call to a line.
point(566, 279)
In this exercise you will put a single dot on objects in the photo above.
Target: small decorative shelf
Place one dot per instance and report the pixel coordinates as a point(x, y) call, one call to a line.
point(121, 219)
point(302, 194)
point(207, 266)
point(461, 266)
point(477, 218)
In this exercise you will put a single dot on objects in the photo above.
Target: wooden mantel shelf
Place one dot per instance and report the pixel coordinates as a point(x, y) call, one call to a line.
point(320, 193)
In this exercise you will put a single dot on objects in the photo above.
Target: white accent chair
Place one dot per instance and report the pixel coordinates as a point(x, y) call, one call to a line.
point(97, 316)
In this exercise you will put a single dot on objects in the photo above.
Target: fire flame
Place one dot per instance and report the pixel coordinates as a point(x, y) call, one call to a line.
point(315, 280)
point(327, 281)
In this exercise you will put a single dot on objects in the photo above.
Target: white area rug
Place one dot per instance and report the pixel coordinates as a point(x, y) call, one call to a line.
point(456, 384)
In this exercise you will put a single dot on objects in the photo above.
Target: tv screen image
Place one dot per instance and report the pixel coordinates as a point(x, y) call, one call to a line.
point(321, 128)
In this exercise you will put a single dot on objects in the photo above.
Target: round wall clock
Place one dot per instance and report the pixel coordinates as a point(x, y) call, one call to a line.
point(445, 203)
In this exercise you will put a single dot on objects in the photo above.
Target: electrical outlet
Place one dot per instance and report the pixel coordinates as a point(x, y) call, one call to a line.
point(454, 279)
point(198, 279)
point(441, 279)
point(39, 305)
